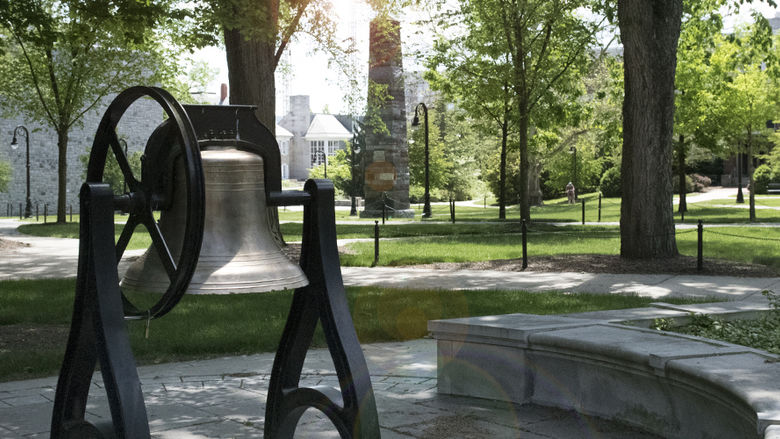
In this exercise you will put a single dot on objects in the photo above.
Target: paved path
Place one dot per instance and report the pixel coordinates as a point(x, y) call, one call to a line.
point(224, 398)
point(57, 258)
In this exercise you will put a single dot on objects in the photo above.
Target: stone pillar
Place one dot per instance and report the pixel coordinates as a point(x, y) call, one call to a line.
point(386, 159)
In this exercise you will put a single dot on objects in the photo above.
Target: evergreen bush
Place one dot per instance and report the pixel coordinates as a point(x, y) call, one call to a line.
point(610, 183)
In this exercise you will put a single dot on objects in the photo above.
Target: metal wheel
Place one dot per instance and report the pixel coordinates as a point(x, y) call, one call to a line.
point(173, 141)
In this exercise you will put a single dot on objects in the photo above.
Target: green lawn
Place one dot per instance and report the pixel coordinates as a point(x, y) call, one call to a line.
point(744, 244)
point(714, 212)
point(204, 326)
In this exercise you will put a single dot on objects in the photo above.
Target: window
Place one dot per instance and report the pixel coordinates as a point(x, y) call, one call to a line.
point(284, 147)
point(333, 146)
point(285, 171)
point(317, 152)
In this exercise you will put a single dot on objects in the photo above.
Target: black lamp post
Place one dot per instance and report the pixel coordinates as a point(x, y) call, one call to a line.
point(573, 151)
point(416, 122)
point(353, 185)
point(740, 197)
point(14, 144)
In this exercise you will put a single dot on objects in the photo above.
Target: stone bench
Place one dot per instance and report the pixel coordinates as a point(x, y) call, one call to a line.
point(673, 385)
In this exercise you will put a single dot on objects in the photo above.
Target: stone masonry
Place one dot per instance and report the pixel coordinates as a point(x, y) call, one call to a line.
point(386, 159)
point(135, 127)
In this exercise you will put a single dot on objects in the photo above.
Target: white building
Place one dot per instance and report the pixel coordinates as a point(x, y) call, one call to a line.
point(283, 138)
point(312, 136)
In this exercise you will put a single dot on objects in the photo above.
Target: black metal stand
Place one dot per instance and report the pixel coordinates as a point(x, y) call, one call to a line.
point(98, 333)
point(98, 329)
point(353, 409)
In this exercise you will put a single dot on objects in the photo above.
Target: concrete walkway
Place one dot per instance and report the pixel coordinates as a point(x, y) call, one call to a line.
point(58, 258)
point(224, 398)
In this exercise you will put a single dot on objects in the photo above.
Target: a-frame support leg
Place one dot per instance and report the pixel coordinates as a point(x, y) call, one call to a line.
point(98, 333)
point(352, 409)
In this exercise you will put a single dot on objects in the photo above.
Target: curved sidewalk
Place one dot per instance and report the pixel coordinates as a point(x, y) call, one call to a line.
point(58, 258)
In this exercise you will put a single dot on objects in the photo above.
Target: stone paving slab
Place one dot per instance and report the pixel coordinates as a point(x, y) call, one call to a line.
point(225, 398)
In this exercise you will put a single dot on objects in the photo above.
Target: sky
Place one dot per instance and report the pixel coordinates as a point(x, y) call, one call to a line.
point(309, 73)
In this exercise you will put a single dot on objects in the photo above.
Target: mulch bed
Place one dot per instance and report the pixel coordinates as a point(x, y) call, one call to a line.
point(614, 264)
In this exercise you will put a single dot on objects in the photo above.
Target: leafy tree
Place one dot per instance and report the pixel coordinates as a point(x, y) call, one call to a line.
point(543, 48)
point(650, 31)
point(475, 73)
point(338, 171)
point(694, 81)
point(62, 58)
point(343, 169)
point(256, 34)
point(745, 99)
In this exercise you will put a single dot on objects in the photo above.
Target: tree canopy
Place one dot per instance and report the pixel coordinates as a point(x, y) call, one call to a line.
point(60, 59)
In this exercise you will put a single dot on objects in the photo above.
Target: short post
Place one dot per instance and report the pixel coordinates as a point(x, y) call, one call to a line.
point(20, 211)
point(452, 210)
point(384, 212)
point(45, 211)
point(8, 209)
point(700, 253)
point(485, 206)
point(583, 211)
point(376, 244)
point(70, 208)
point(36, 212)
point(599, 207)
point(525, 245)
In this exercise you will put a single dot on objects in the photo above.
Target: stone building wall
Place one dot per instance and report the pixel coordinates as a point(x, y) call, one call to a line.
point(135, 127)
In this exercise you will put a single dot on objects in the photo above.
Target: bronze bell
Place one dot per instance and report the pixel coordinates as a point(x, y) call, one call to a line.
point(239, 253)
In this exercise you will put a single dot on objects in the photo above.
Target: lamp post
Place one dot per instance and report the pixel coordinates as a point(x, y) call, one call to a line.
point(740, 197)
point(14, 144)
point(416, 122)
point(353, 186)
point(573, 151)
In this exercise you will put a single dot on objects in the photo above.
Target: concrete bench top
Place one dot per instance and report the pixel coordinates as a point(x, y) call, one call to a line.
point(671, 384)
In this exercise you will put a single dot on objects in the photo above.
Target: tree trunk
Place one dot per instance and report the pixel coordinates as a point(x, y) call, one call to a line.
point(251, 67)
point(62, 174)
point(649, 30)
point(525, 209)
point(502, 172)
point(683, 205)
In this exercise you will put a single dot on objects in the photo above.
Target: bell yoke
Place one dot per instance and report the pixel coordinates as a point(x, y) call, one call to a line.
point(241, 162)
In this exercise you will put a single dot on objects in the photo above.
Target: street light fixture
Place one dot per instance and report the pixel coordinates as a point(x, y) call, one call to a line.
point(416, 122)
point(573, 151)
point(21, 129)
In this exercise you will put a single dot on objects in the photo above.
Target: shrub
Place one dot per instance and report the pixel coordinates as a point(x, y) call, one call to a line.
point(762, 176)
point(689, 187)
point(700, 182)
point(610, 183)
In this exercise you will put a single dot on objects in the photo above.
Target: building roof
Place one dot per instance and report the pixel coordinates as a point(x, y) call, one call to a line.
point(282, 133)
point(326, 127)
